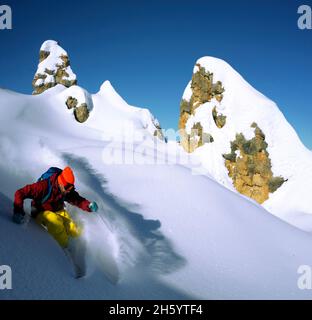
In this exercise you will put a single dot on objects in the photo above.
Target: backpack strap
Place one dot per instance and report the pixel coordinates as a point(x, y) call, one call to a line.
point(46, 176)
point(48, 195)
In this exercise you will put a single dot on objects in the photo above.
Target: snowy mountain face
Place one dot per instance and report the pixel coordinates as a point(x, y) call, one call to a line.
point(243, 140)
point(211, 243)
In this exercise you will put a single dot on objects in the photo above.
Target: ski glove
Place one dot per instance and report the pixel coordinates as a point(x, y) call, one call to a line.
point(18, 217)
point(93, 206)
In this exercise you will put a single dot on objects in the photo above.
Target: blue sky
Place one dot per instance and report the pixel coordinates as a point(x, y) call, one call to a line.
point(147, 49)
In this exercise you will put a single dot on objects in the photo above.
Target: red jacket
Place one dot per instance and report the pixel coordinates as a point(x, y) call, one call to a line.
point(37, 191)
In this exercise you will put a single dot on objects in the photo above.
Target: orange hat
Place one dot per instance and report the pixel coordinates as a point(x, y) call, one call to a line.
point(66, 177)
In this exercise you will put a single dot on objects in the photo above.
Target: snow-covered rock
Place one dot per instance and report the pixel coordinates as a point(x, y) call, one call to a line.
point(274, 167)
point(78, 101)
point(53, 68)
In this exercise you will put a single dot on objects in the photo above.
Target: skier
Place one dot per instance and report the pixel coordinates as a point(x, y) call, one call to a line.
point(48, 195)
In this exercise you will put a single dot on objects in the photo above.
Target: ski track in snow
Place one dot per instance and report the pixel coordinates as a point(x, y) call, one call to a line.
point(135, 241)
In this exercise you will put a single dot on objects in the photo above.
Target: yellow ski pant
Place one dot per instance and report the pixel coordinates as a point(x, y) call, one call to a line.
point(60, 225)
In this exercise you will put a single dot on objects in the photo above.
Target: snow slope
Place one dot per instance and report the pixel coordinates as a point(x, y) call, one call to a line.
point(243, 105)
point(173, 235)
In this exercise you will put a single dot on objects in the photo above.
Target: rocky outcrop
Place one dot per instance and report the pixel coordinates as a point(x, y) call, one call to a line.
point(81, 113)
point(218, 118)
point(196, 138)
point(71, 102)
point(203, 89)
point(53, 68)
point(151, 124)
point(158, 131)
point(250, 168)
point(79, 101)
